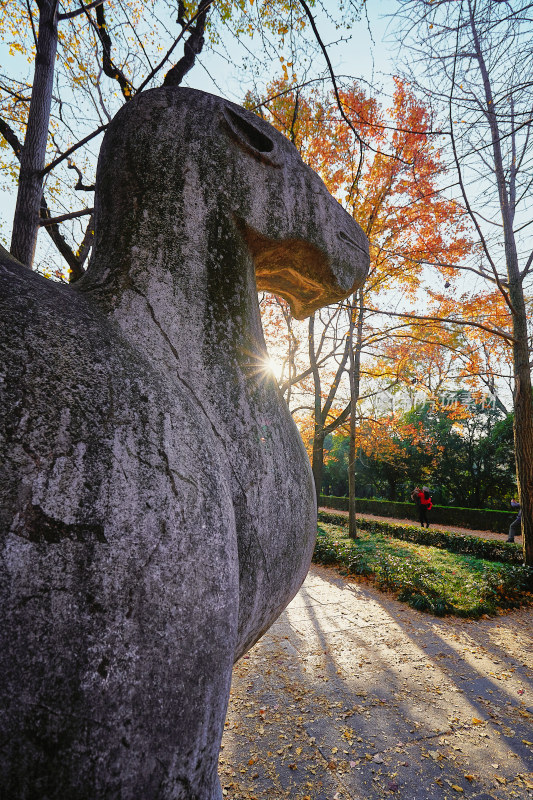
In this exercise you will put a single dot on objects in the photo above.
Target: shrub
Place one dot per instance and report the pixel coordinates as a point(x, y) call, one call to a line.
point(474, 518)
point(437, 582)
point(488, 549)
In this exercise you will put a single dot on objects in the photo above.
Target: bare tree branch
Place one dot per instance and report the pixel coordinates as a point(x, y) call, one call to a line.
point(83, 251)
point(11, 137)
point(335, 87)
point(526, 269)
point(58, 239)
point(30, 14)
point(192, 47)
point(51, 225)
point(18, 97)
point(451, 320)
point(72, 149)
point(464, 192)
point(444, 264)
point(171, 49)
point(112, 71)
point(79, 11)
point(80, 185)
point(73, 214)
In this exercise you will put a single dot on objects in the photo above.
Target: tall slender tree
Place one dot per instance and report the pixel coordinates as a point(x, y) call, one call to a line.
point(475, 60)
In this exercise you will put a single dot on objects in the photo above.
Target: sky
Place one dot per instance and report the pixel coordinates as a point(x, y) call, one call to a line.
point(361, 53)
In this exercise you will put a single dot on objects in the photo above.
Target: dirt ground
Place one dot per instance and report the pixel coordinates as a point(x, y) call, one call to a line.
point(352, 695)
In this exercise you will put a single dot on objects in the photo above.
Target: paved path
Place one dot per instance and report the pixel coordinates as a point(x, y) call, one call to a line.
point(352, 695)
point(450, 528)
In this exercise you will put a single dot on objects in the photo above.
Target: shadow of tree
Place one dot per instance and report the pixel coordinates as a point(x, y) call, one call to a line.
point(354, 695)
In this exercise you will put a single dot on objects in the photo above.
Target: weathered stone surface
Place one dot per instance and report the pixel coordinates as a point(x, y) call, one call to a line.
point(157, 510)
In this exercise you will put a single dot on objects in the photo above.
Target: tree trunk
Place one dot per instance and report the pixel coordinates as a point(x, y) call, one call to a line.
point(523, 420)
point(522, 400)
point(30, 189)
point(317, 461)
point(355, 376)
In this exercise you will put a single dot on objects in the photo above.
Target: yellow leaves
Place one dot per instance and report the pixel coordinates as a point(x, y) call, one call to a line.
point(15, 47)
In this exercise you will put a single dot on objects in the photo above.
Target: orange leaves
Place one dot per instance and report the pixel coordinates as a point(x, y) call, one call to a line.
point(306, 426)
point(392, 190)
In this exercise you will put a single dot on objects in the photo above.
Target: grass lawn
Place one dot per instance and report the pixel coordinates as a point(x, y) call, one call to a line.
point(427, 578)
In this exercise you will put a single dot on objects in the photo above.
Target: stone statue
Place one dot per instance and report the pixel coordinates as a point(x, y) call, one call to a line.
point(157, 508)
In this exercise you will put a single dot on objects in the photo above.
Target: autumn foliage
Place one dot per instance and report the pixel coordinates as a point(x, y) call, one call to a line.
point(390, 183)
point(386, 169)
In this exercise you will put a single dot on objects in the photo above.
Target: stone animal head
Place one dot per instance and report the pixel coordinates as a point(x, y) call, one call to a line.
point(184, 174)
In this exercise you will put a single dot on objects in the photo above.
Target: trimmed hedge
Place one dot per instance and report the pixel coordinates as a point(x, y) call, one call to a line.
point(480, 519)
point(488, 549)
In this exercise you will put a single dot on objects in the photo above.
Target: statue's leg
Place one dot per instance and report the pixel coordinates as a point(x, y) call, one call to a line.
point(218, 790)
point(115, 679)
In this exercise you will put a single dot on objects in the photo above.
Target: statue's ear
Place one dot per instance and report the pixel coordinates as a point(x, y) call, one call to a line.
point(250, 136)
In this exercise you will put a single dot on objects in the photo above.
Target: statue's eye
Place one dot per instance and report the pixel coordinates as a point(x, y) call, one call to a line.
point(249, 134)
point(348, 240)
point(344, 236)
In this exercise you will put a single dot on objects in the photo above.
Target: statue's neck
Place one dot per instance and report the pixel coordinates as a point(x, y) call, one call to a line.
point(197, 317)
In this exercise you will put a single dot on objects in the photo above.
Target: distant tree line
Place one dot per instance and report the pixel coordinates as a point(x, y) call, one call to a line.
point(468, 465)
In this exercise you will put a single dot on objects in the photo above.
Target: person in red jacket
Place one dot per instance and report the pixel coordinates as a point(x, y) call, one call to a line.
point(422, 498)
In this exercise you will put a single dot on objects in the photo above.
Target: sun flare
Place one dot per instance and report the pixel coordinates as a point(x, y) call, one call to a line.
point(274, 367)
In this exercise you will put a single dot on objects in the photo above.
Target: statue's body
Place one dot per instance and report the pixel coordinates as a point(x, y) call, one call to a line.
point(157, 508)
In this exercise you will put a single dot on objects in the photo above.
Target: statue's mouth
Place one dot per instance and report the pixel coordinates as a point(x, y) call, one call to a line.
point(302, 293)
point(296, 270)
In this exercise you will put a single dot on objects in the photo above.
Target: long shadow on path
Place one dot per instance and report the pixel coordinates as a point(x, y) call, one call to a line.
point(351, 694)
